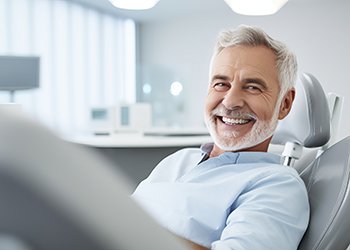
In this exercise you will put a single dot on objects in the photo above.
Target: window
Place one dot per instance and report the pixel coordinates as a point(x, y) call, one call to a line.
point(87, 59)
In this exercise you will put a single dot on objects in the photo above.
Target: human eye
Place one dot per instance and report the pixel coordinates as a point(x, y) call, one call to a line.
point(253, 87)
point(221, 86)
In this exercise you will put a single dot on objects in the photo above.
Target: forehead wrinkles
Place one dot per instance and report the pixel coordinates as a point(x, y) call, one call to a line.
point(252, 61)
point(230, 63)
point(226, 58)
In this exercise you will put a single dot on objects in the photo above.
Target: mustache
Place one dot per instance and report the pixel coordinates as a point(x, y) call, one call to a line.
point(238, 112)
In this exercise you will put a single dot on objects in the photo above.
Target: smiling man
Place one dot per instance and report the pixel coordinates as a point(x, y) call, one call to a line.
point(233, 194)
point(242, 107)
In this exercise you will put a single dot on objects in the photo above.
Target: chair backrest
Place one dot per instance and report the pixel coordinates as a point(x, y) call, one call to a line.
point(327, 181)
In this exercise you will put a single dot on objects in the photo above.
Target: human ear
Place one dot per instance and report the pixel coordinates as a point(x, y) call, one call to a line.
point(286, 104)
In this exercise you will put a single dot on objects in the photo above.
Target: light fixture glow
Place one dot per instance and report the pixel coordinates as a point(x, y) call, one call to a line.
point(256, 7)
point(176, 88)
point(134, 4)
point(147, 88)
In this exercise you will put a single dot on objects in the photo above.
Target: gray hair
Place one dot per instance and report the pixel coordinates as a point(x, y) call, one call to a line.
point(253, 36)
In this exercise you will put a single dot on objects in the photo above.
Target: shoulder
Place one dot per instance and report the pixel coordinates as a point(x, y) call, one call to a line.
point(279, 183)
point(265, 165)
point(282, 173)
point(275, 199)
point(277, 175)
point(270, 179)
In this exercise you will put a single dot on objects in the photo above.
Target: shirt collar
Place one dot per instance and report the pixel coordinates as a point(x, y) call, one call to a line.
point(207, 148)
point(241, 157)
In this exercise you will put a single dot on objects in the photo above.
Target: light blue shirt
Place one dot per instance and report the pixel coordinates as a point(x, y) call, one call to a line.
point(244, 200)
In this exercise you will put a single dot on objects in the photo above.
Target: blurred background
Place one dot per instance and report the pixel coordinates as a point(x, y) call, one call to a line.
point(95, 55)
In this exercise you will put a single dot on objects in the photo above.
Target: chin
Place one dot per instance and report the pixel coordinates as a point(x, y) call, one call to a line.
point(257, 138)
point(233, 147)
point(256, 145)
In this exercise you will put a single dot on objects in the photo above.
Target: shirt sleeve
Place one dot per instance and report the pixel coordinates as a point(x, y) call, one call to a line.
point(271, 214)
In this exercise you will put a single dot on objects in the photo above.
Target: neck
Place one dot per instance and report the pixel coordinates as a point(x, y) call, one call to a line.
point(261, 147)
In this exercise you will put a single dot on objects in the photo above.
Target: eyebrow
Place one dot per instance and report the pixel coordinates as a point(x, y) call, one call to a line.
point(246, 80)
point(220, 77)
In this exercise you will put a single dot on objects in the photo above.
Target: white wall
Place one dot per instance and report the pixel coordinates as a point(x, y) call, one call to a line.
point(318, 32)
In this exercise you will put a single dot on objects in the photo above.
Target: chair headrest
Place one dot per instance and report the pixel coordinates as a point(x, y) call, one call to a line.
point(308, 122)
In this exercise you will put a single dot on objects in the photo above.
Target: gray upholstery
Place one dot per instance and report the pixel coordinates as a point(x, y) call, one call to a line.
point(58, 196)
point(308, 122)
point(309, 155)
point(327, 182)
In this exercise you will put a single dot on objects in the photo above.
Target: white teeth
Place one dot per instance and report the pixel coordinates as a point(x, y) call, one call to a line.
point(232, 121)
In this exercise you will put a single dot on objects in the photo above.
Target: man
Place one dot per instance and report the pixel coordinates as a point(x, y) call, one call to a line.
point(233, 194)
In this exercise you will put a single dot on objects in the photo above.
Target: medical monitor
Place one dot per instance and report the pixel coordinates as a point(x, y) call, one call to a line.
point(19, 72)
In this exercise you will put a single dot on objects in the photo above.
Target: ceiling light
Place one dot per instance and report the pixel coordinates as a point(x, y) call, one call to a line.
point(255, 7)
point(134, 4)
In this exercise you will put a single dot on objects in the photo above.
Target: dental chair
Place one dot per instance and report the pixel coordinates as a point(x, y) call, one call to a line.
point(57, 196)
point(326, 169)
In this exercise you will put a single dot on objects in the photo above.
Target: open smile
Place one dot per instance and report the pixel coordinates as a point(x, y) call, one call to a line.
point(231, 121)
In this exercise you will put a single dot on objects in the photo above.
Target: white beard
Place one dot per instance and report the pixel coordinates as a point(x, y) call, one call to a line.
point(226, 141)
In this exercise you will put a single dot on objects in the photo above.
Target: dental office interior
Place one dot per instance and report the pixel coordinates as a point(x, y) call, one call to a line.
point(125, 88)
point(133, 82)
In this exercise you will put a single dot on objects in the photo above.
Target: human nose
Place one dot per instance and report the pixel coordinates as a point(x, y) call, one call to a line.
point(233, 98)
